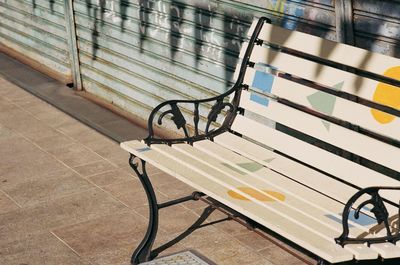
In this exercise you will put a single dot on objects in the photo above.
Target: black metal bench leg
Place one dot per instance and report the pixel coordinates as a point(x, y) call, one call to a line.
point(143, 251)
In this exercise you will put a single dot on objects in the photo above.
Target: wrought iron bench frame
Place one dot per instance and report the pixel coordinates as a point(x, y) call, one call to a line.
point(144, 251)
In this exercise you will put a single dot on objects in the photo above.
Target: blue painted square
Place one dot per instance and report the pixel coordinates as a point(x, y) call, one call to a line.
point(263, 81)
point(259, 99)
point(363, 219)
point(144, 149)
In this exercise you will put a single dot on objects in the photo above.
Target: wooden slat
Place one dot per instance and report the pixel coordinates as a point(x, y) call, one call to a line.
point(344, 138)
point(316, 157)
point(342, 109)
point(292, 169)
point(324, 75)
point(362, 252)
point(330, 50)
point(387, 250)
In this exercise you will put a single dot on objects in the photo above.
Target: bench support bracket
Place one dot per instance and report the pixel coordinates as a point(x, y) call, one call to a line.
point(378, 210)
point(143, 252)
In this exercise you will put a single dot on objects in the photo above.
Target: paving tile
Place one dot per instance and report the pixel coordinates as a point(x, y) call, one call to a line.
point(64, 211)
point(174, 219)
point(75, 154)
point(253, 240)
point(16, 118)
point(73, 128)
point(34, 191)
point(56, 141)
point(223, 251)
point(26, 101)
point(6, 105)
point(14, 92)
point(174, 188)
point(278, 256)
point(230, 227)
point(27, 168)
point(132, 194)
point(9, 181)
point(6, 133)
point(120, 256)
point(38, 131)
point(248, 257)
point(112, 177)
point(112, 152)
point(104, 234)
point(39, 249)
point(93, 168)
point(6, 204)
point(16, 146)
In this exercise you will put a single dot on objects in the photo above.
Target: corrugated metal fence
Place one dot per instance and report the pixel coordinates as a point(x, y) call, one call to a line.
point(37, 30)
point(138, 53)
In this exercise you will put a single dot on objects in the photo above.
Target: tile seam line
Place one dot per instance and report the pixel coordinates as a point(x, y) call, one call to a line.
point(65, 110)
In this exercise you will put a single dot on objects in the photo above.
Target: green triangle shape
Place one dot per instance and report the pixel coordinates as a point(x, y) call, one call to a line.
point(251, 166)
point(234, 169)
point(269, 160)
point(324, 102)
point(339, 86)
point(326, 124)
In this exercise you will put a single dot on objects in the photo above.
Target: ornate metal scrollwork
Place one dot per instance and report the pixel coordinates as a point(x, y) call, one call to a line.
point(378, 209)
point(216, 110)
point(177, 117)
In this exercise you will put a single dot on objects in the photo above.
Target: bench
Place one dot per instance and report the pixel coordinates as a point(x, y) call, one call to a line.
point(306, 143)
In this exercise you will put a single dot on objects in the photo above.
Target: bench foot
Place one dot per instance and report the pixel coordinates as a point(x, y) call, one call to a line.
point(143, 251)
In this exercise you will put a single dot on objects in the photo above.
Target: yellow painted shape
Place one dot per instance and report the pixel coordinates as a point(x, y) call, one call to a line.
point(257, 195)
point(387, 95)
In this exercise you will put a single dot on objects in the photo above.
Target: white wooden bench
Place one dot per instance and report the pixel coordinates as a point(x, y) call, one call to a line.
point(306, 143)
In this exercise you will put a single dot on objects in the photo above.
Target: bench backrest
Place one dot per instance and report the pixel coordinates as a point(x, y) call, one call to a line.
point(333, 106)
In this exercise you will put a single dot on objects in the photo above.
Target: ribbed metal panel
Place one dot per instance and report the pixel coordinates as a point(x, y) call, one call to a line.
point(36, 29)
point(377, 25)
point(137, 54)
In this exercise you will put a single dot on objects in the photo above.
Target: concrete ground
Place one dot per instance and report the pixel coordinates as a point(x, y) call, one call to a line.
point(67, 196)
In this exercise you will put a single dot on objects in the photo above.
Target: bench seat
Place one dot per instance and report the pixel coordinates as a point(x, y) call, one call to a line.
point(295, 211)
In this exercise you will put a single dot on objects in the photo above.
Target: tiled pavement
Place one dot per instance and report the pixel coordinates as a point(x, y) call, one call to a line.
point(67, 196)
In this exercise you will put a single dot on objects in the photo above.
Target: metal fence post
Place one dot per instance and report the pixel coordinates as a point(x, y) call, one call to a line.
point(72, 44)
point(344, 21)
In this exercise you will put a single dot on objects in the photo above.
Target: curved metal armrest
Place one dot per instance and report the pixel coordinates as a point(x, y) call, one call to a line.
point(219, 105)
point(378, 210)
point(175, 113)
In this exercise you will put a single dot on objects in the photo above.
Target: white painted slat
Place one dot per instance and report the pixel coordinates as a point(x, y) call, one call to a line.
point(325, 75)
point(220, 156)
point(294, 170)
point(297, 197)
point(287, 167)
point(341, 108)
point(330, 50)
point(361, 251)
point(386, 250)
point(316, 157)
point(344, 138)
point(255, 175)
point(271, 218)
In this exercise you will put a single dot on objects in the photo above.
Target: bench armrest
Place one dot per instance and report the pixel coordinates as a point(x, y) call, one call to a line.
point(219, 103)
point(378, 210)
point(173, 109)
